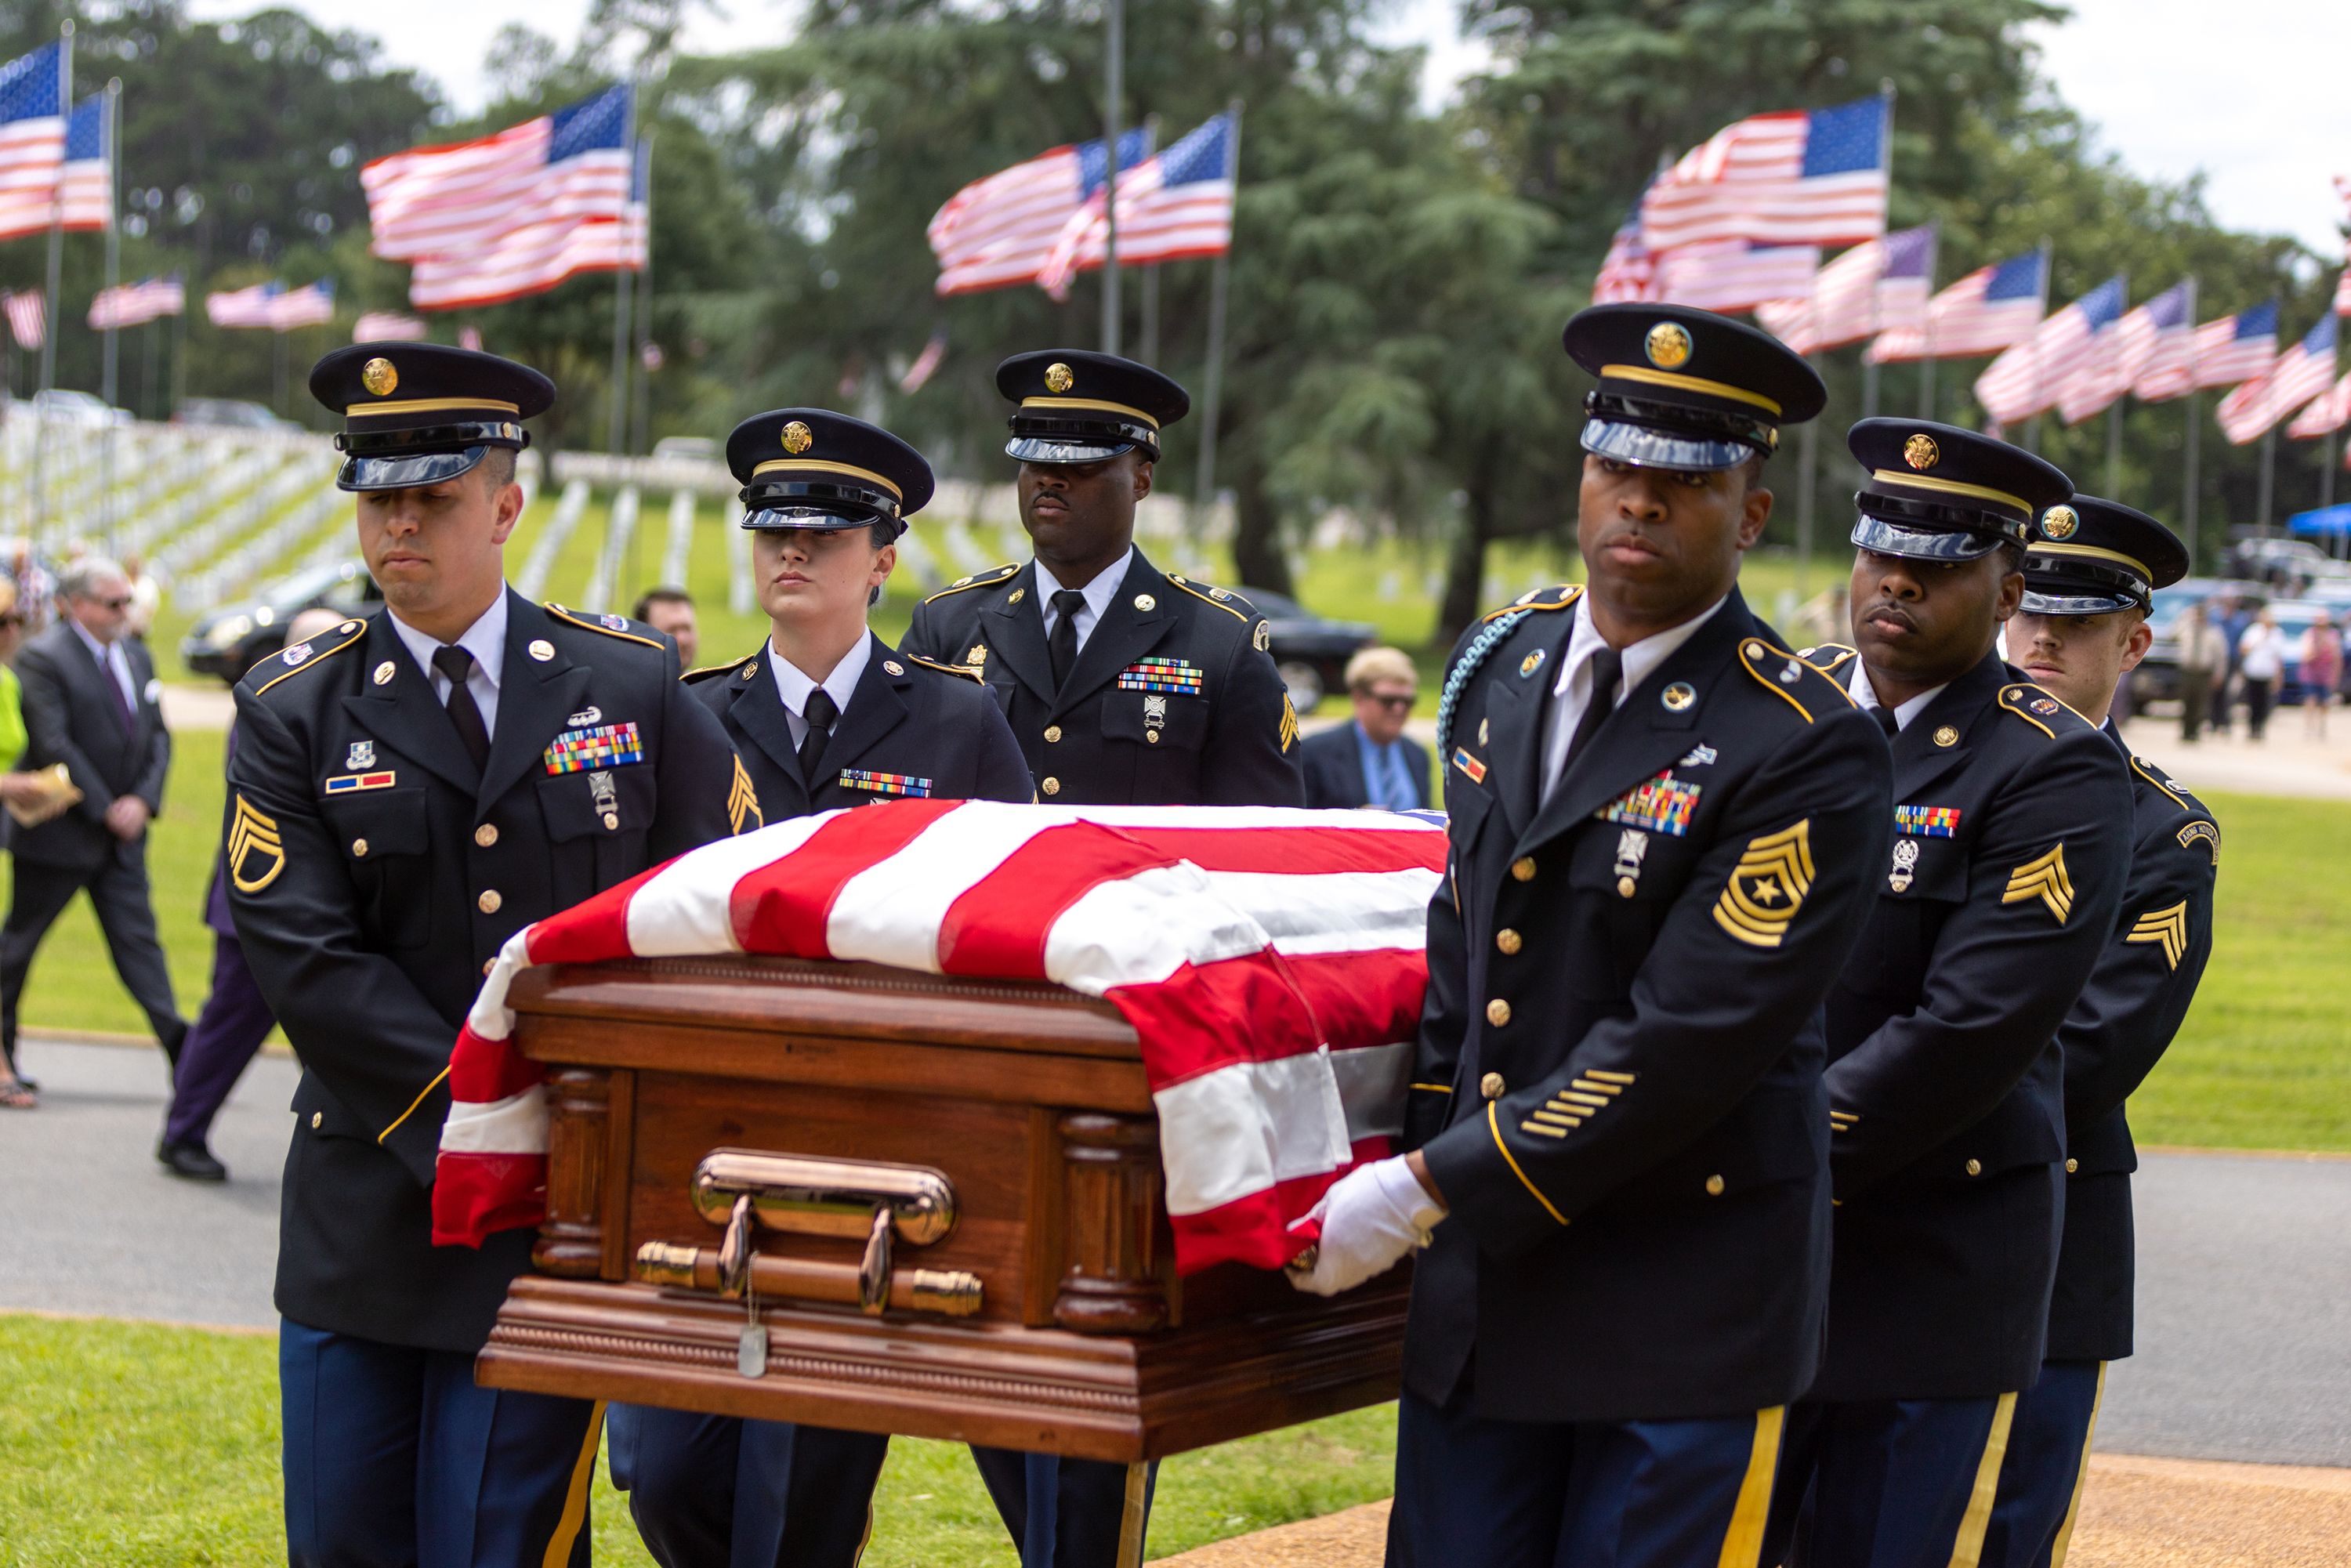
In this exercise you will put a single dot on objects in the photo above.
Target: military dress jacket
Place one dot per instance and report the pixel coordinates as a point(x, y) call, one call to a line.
point(1173, 700)
point(2012, 843)
point(1617, 1081)
point(2120, 1027)
point(373, 874)
point(911, 729)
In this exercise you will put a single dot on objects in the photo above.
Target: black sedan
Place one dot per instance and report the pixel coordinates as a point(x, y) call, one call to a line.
point(1310, 651)
point(235, 637)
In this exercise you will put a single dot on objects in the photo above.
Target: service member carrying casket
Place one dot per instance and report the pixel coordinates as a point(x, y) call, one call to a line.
point(825, 714)
point(2011, 840)
point(1666, 830)
point(2089, 578)
point(408, 793)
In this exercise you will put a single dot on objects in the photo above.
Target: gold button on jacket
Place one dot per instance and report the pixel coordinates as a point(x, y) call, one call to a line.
point(486, 835)
point(489, 901)
point(1507, 940)
point(1491, 1086)
point(1523, 868)
point(1498, 1012)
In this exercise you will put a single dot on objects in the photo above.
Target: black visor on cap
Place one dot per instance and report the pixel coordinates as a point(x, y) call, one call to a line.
point(2082, 587)
point(817, 519)
point(1646, 447)
point(1889, 536)
point(1069, 449)
point(408, 469)
point(2075, 598)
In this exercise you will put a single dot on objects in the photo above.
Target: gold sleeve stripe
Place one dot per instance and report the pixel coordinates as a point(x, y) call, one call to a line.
point(1495, 1127)
point(1610, 1090)
point(1433, 1088)
point(1768, 886)
point(1288, 723)
point(2166, 927)
point(2044, 878)
point(743, 801)
point(251, 833)
point(1605, 1076)
point(413, 1104)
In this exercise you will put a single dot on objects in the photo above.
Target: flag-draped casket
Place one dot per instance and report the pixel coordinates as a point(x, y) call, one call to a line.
point(973, 1121)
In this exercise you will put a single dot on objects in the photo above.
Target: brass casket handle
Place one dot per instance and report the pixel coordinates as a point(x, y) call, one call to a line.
point(744, 1189)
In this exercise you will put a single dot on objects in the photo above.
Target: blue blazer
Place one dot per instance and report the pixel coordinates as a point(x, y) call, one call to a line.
point(1334, 767)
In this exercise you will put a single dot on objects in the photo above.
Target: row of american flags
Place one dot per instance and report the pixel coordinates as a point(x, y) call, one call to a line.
point(1742, 223)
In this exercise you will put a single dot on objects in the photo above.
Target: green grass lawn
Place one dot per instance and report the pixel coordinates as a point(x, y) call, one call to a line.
point(130, 1445)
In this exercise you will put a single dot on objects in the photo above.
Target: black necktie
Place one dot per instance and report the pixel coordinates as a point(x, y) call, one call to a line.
point(1608, 675)
point(819, 714)
point(1064, 643)
point(122, 708)
point(457, 664)
point(1887, 722)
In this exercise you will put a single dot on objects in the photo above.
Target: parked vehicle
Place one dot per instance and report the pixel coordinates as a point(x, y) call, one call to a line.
point(1310, 651)
point(61, 405)
point(235, 637)
point(229, 413)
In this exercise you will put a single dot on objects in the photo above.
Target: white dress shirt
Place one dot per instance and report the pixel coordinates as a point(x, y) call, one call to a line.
point(794, 687)
point(1099, 593)
point(1571, 694)
point(1865, 696)
point(112, 660)
point(486, 639)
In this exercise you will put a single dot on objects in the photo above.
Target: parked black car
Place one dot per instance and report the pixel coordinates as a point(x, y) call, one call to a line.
point(235, 637)
point(1310, 651)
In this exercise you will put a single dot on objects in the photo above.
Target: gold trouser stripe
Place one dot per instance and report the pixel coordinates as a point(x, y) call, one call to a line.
point(1496, 1128)
point(1950, 488)
point(575, 1496)
point(1967, 1550)
point(1743, 1546)
point(413, 1104)
point(1688, 383)
point(2081, 1476)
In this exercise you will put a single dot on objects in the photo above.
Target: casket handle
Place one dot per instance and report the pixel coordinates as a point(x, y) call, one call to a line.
point(805, 1195)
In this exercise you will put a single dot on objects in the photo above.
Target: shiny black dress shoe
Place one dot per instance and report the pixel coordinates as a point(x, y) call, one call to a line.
point(191, 1160)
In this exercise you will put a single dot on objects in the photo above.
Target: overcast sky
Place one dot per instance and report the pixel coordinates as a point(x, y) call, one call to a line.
point(2170, 89)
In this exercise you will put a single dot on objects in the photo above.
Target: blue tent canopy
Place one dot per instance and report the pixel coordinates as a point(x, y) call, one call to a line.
point(2326, 522)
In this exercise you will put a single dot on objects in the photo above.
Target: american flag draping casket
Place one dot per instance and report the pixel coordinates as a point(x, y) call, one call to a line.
point(955, 1119)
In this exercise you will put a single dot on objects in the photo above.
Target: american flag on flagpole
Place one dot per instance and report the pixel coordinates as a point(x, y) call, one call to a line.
point(2030, 377)
point(573, 164)
point(1270, 960)
point(1991, 308)
point(2217, 354)
point(926, 363)
point(242, 307)
point(32, 139)
point(135, 304)
point(1799, 177)
point(535, 257)
point(312, 305)
point(1731, 276)
point(1000, 231)
point(1876, 287)
point(1628, 272)
point(86, 186)
point(1178, 202)
point(387, 326)
point(27, 318)
point(2326, 415)
point(2343, 284)
point(2122, 357)
point(2301, 374)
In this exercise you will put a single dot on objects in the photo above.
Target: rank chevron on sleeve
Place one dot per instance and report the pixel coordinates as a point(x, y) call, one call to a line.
point(1768, 886)
point(2166, 928)
point(2044, 878)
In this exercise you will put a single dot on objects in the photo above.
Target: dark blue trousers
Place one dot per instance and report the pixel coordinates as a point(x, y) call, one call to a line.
point(1889, 1483)
point(1064, 1513)
point(234, 1022)
point(394, 1458)
point(1585, 1494)
point(2048, 1457)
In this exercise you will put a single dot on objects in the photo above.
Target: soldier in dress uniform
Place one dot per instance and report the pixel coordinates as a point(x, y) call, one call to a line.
point(408, 793)
point(825, 714)
point(1125, 685)
point(1666, 830)
point(2011, 840)
point(2089, 579)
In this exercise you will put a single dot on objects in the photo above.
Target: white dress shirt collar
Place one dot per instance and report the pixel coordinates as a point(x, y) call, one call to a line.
point(486, 639)
point(1099, 593)
point(110, 659)
point(794, 687)
point(1571, 693)
point(1865, 696)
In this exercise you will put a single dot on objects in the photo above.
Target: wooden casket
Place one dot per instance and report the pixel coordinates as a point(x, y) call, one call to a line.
point(870, 1198)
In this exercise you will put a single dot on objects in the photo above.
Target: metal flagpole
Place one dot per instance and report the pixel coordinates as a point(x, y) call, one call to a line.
point(1148, 349)
point(2032, 431)
point(112, 363)
point(2327, 474)
point(1926, 365)
point(2114, 410)
point(2191, 482)
point(49, 302)
point(639, 372)
point(179, 387)
point(1114, 86)
point(1868, 368)
point(2269, 482)
point(1212, 384)
point(616, 429)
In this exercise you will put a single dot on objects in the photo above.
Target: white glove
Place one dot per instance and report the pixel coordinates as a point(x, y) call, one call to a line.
point(1370, 1217)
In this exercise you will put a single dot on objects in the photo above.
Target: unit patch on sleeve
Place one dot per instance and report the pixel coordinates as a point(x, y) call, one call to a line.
point(884, 783)
point(1662, 805)
point(1179, 675)
point(597, 745)
point(2203, 834)
point(2043, 877)
point(1768, 886)
point(1927, 821)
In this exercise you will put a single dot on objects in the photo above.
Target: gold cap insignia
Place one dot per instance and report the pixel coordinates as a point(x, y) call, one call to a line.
point(2059, 523)
point(378, 376)
point(1678, 695)
point(1058, 378)
point(798, 438)
point(1667, 345)
point(1921, 452)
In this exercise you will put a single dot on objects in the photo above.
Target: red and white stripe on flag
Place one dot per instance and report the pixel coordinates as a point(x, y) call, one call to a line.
point(1731, 276)
point(2300, 375)
point(2326, 415)
point(527, 260)
point(27, 319)
point(998, 230)
point(1270, 960)
point(387, 326)
point(1748, 182)
point(85, 196)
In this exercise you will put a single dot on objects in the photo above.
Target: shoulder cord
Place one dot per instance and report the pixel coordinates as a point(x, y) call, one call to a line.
point(1466, 666)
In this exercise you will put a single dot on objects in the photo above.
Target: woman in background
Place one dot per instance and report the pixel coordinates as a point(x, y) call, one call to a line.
point(2320, 673)
point(15, 1094)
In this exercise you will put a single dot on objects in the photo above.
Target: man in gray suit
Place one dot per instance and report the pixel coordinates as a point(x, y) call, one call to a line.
point(90, 703)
